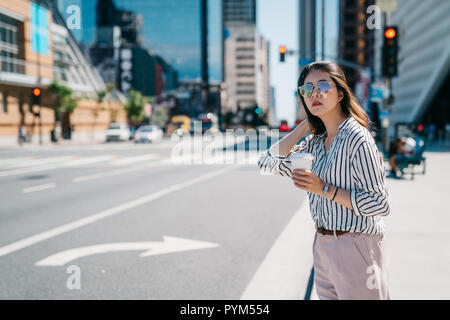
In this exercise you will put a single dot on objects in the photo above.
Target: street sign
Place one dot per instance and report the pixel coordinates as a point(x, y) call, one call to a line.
point(387, 5)
point(378, 91)
point(376, 94)
point(383, 115)
point(169, 245)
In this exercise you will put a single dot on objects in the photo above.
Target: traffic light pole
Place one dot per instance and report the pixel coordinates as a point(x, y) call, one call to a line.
point(387, 82)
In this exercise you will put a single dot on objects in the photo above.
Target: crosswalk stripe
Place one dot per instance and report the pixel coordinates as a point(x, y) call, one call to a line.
point(116, 172)
point(71, 163)
point(5, 163)
point(37, 162)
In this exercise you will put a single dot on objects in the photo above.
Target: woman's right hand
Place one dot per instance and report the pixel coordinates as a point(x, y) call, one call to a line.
point(285, 144)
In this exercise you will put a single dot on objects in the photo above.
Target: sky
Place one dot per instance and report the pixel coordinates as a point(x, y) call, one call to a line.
point(277, 22)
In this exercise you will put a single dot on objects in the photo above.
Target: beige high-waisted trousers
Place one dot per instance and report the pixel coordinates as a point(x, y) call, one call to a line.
point(352, 266)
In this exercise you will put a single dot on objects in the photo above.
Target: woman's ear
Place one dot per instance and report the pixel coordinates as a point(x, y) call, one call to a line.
point(340, 96)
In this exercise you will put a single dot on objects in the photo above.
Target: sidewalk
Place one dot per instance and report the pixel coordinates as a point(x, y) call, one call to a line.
point(417, 241)
point(417, 234)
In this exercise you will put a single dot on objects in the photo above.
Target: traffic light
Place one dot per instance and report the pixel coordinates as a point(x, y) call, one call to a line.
point(36, 96)
point(390, 51)
point(282, 50)
point(258, 110)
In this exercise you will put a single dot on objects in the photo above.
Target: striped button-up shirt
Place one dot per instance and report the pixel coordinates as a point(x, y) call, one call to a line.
point(353, 163)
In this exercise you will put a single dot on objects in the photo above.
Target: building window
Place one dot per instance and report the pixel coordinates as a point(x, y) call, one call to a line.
point(244, 66)
point(9, 45)
point(244, 57)
point(4, 101)
point(245, 92)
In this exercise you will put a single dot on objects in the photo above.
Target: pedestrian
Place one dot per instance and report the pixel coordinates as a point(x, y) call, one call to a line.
point(447, 133)
point(22, 134)
point(431, 129)
point(346, 186)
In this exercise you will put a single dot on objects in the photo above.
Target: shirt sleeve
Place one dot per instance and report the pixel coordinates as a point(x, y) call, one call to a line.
point(370, 198)
point(274, 164)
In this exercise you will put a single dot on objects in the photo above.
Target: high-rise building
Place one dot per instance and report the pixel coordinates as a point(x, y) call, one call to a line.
point(307, 31)
point(246, 58)
point(170, 29)
point(318, 34)
point(121, 59)
point(356, 40)
point(239, 12)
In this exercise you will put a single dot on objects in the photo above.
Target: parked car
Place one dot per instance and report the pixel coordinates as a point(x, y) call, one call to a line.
point(117, 132)
point(148, 133)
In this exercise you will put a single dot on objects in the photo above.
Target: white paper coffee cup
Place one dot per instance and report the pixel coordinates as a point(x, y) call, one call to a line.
point(301, 160)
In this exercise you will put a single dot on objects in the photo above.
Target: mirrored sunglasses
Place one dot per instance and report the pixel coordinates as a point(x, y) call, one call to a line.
point(307, 89)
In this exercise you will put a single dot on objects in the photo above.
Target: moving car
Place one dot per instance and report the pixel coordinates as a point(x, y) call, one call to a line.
point(117, 132)
point(148, 133)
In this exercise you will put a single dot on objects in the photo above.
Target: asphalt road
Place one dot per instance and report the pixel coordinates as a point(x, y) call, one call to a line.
point(107, 194)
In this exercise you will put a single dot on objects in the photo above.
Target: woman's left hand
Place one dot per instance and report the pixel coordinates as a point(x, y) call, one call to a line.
point(308, 181)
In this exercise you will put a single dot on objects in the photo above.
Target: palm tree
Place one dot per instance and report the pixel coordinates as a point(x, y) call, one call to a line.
point(63, 103)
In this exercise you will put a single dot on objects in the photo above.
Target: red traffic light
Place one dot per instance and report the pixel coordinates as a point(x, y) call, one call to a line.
point(36, 92)
point(390, 33)
point(282, 49)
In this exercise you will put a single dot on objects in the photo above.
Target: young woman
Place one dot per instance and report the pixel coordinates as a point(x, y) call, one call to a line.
point(346, 186)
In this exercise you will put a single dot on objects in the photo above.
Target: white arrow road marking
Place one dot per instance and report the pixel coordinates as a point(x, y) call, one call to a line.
point(15, 246)
point(168, 245)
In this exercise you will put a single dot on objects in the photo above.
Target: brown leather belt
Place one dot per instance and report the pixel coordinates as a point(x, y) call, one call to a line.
point(326, 232)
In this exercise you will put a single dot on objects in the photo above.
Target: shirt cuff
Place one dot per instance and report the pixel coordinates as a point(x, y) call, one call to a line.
point(354, 203)
point(276, 156)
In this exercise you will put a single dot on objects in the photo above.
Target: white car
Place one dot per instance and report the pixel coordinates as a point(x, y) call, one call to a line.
point(117, 132)
point(148, 133)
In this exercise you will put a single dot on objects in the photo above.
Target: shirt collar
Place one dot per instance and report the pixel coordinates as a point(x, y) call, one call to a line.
point(346, 123)
point(342, 126)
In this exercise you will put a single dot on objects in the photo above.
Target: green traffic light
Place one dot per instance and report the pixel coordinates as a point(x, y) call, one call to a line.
point(258, 110)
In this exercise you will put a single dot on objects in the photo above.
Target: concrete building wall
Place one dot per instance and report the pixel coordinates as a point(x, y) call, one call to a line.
point(240, 66)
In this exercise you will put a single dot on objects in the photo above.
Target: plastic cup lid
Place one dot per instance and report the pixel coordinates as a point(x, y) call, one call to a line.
point(301, 155)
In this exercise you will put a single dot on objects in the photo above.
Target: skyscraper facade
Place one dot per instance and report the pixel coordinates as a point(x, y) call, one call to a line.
point(171, 29)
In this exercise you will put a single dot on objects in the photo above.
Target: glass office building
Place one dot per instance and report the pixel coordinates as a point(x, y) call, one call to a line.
point(171, 29)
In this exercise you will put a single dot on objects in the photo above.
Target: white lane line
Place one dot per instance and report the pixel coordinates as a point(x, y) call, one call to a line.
point(285, 271)
point(129, 160)
point(39, 187)
point(71, 163)
point(115, 172)
point(15, 246)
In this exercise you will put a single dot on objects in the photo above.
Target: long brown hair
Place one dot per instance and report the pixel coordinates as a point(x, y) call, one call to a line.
point(350, 105)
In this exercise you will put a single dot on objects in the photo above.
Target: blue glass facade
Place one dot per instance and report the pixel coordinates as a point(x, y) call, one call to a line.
point(171, 29)
point(330, 30)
